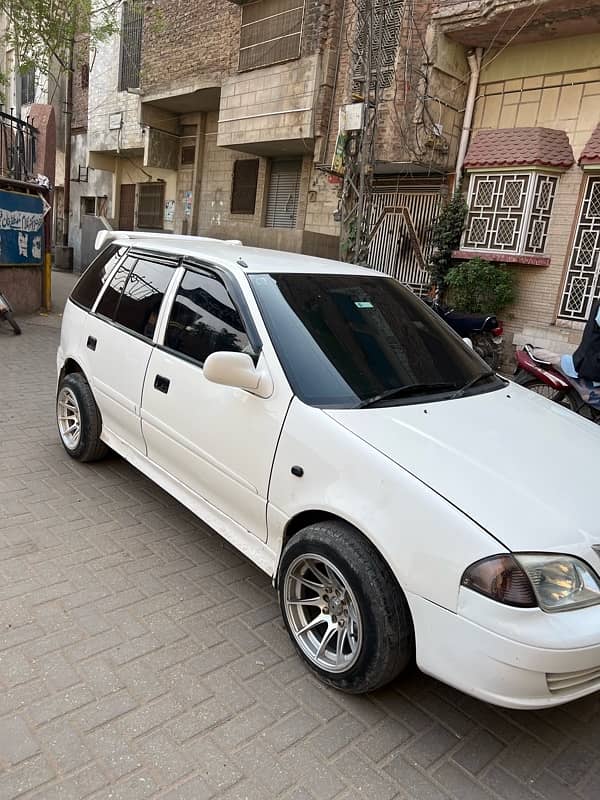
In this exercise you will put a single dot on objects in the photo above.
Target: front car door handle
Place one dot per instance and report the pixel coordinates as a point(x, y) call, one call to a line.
point(162, 384)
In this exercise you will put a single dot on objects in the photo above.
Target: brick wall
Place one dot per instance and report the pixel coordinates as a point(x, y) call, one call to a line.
point(569, 100)
point(80, 84)
point(184, 39)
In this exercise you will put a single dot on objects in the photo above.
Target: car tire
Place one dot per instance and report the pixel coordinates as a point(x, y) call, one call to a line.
point(355, 592)
point(78, 418)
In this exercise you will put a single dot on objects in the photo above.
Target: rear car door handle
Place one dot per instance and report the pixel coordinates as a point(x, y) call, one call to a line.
point(91, 343)
point(162, 384)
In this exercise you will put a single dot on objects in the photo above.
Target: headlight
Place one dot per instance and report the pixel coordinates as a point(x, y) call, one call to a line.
point(561, 582)
point(527, 580)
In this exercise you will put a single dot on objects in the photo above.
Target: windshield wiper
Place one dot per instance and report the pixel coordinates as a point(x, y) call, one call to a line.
point(405, 391)
point(460, 392)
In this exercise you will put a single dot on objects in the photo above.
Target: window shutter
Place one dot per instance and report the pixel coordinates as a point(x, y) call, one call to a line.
point(151, 202)
point(284, 192)
point(243, 190)
point(271, 32)
point(131, 46)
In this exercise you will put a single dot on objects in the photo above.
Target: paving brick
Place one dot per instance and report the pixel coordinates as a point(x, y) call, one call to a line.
point(460, 784)
point(147, 659)
point(16, 740)
point(432, 745)
point(478, 751)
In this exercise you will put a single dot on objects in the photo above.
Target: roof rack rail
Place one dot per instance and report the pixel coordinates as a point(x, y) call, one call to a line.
point(105, 237)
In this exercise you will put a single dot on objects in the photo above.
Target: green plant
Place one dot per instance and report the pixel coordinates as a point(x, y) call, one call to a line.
point(481, 287)
point(445, 237)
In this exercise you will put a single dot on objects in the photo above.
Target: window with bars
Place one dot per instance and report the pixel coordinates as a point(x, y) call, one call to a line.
point(244, 184)
point(509, 212)
point(28, 87)
point(582, 284)
point(150, 206)
point(382, 21)
point(283, 194)
point(131, 45)
point(271, 32)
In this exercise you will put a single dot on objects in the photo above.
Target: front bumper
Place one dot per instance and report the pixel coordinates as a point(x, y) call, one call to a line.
point(498, 669)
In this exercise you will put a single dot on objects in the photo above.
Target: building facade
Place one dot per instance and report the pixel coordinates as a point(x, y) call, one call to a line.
point(221, 119)
point(533, 164)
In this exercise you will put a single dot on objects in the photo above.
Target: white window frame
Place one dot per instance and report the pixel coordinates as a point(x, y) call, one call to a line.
point(495, 211)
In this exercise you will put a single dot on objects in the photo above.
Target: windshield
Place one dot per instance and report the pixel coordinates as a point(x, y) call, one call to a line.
point(349, 341)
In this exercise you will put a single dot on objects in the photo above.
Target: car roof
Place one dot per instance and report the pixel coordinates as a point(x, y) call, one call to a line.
point(230, 253)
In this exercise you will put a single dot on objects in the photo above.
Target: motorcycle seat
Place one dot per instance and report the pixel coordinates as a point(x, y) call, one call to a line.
point(538, 355)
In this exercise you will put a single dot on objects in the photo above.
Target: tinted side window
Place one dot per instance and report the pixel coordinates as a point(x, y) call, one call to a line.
point(93, 279)
point(110, 299)
point(142, 296)
point(204, 319)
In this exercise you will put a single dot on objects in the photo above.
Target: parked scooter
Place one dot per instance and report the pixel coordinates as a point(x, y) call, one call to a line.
point(541, 376)
point(484, 330)
point(6, 313)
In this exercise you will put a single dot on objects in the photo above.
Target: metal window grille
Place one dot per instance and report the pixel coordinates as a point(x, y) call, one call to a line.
point(28, 87)
point(271, 32)
point(386, 27)
point(391, 250)
point(582, 284)
point(17, 148)
point(131, 45)
point(150, 206)
point(283, 194)
point(509, 212)
point(244, 185)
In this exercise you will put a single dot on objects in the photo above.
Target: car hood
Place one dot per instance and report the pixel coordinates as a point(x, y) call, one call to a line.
point(523, 468)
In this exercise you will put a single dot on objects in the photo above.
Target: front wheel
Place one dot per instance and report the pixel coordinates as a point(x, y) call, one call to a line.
point(343, 609)
point(13, 323)
point(78, 418)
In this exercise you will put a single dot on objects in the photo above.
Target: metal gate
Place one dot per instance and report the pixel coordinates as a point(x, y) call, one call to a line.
point(401, 221)
point(582, 286)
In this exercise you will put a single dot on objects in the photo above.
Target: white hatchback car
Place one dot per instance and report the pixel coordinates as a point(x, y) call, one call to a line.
point(407, 502)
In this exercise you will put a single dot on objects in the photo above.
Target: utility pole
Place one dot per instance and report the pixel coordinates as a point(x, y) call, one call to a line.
point(376, 28)
point(68, 130)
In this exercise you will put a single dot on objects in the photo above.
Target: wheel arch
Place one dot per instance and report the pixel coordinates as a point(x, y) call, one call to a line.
point(308, 517)
point(69, 367)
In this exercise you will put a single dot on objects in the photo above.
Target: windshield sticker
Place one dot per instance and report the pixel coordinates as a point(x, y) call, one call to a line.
point(363, 304)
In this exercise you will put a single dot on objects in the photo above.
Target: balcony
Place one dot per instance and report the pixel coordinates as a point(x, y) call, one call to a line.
point(482, 23)
point(17, 148)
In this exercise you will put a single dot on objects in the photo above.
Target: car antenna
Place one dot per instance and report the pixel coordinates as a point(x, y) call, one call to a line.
point(242, 263)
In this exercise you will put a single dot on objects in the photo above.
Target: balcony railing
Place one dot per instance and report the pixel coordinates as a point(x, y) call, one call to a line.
point(17, 148)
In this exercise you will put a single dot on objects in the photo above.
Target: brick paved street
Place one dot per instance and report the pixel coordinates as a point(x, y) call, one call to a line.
point(140, 657)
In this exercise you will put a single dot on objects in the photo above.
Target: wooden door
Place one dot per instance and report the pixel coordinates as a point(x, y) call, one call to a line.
point(127, 207)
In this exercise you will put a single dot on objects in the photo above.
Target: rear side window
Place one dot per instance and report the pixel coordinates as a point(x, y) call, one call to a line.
point(93, 279)
point(142, 296)
point(110, 299)
point(204, 319)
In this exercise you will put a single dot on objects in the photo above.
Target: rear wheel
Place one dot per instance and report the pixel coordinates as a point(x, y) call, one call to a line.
point(343, 609)
point(78, 418)
point(539, 387)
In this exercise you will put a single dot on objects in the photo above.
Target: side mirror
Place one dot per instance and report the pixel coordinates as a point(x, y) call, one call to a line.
point(468, 342)
point(238, 371)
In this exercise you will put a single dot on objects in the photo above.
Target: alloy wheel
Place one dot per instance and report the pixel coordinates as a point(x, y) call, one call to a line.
point(322, 613)
point(69, 418)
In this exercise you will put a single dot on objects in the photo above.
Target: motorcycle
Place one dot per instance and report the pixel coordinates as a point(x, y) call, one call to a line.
point(485, 331)
point(542, 377)
point(6, 313)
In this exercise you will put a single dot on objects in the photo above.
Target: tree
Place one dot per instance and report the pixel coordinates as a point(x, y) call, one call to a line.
point(446, 234)
point(42, 31)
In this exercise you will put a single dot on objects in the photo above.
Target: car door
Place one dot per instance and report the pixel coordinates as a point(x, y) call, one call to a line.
point(118, 339)
point(217, 440)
